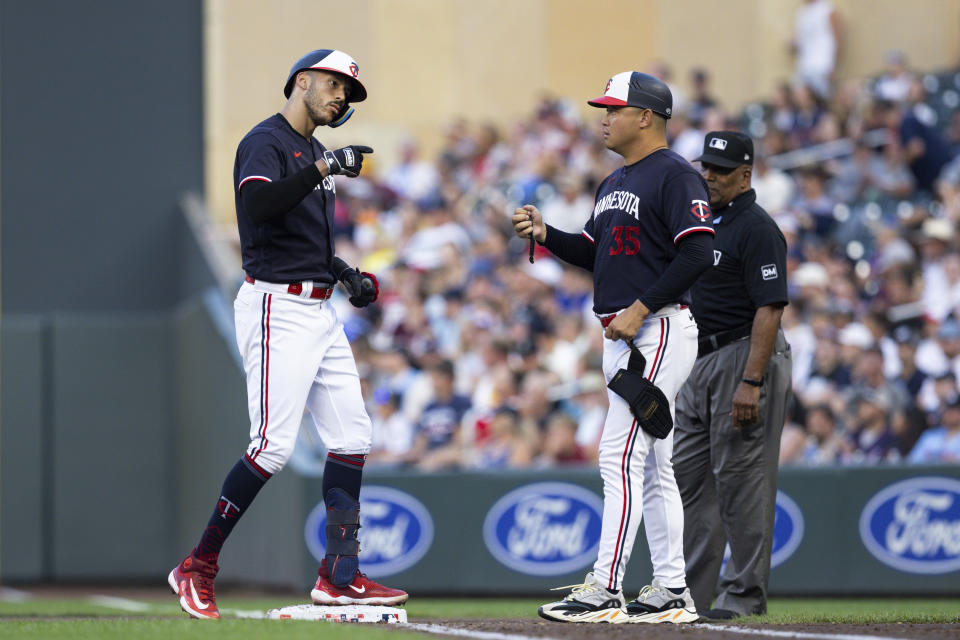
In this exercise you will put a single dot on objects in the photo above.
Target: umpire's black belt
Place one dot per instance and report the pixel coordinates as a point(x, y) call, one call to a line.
point(709, 344)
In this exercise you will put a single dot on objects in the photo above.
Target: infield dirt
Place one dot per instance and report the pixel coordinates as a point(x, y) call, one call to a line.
point(698, 631)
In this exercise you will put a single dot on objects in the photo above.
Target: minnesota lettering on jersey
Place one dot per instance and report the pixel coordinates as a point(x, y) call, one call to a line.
point(622, 200)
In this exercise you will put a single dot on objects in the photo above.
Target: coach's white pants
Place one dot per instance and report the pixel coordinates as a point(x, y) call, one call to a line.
point(296, 355)
point(636, 468)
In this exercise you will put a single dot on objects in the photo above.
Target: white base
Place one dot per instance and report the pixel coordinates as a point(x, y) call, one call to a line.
point(349, 613)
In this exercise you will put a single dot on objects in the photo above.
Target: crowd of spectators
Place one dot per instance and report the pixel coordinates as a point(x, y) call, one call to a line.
point(475, 358)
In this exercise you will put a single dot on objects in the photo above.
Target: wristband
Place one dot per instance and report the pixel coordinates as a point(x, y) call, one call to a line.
point(752, 383)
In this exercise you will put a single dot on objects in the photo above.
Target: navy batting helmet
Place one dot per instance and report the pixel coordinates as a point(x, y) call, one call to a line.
point(635, 89)
point(336, 62)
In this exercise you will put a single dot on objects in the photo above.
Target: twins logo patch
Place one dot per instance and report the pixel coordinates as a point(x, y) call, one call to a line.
point(914, 525)
point(396, 531)
point(545, 528)
point(768, 272)
point(354, 69)
point(701, 209)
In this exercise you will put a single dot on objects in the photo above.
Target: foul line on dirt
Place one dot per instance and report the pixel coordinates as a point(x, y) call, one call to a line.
point(805, 635)
point(440, 629)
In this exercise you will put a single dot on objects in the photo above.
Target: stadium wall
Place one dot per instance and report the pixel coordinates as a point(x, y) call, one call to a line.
point(429, 62)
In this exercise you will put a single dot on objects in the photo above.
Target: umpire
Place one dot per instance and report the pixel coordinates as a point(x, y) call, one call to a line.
point(731, 410)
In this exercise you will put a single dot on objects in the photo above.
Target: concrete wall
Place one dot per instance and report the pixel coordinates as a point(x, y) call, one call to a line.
point(102, 131)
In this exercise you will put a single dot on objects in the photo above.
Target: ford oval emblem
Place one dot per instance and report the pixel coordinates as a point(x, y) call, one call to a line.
point(914, 525)
point(545, 529)
point(788, 529)
point(396, 531)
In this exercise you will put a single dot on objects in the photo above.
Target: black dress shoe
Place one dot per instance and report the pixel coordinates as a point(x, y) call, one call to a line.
point(719, 614)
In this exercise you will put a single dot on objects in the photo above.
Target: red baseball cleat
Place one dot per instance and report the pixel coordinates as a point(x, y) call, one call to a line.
point(362, 590)
point(192, 580)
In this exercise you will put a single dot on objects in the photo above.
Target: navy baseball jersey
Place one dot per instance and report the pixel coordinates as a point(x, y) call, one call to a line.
point(749, 267)
point(297, 245)
point(642, 211)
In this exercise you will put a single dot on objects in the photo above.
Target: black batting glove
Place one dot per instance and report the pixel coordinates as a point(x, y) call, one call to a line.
point(362, 287)
point(346, 161)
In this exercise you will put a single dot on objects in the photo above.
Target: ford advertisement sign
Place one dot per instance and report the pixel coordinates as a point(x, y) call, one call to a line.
point(788, 527)
point(545, 529)
point(914, 525)
point(396, 531)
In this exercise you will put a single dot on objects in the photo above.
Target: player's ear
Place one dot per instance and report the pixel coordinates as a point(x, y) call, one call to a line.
point(303, 80)
point(747, 175)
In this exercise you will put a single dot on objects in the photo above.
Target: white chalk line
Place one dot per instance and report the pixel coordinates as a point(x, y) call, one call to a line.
point(440, 629)
point(800, 635)
point(124, 604)
point(9, 594)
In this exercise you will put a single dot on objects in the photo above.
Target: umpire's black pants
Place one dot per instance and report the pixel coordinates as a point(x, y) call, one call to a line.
point(728, 477)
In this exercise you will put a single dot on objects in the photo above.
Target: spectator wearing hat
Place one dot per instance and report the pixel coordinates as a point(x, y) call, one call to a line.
point(871, 434)
point(731, 411)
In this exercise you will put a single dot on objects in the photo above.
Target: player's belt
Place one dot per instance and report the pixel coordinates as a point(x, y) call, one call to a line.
point(605, 320)
point(295, 288)
point(709, 344)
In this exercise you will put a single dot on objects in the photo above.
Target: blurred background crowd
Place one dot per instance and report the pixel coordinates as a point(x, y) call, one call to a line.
point(475, 358)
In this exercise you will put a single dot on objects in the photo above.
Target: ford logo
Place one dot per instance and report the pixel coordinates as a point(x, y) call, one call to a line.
point(544, 529)
point(396, 531)
point(914, 525)
point(788, 529)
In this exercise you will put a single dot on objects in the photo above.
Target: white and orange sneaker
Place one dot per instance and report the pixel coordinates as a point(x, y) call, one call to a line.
point(362, 590)
point(656, 605)
point(192, 580)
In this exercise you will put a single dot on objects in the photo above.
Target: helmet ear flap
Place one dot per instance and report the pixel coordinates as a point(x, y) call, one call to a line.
point(343, 118)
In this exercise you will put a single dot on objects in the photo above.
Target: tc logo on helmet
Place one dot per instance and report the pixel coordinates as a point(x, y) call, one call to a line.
point(354, 69)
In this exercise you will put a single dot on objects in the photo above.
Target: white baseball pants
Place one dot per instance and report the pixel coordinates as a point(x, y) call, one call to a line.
point(636, 467)
point(296, 355)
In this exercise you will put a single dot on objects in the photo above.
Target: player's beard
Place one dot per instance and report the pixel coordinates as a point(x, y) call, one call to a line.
point(316, 107)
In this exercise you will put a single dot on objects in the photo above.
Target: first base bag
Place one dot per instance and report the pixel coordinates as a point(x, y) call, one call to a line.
point(647, 402)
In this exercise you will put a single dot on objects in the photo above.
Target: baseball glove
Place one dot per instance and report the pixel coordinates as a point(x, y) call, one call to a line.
point(647, 402)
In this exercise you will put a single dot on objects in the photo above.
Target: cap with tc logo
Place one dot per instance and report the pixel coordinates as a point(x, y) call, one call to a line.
point(728, 149)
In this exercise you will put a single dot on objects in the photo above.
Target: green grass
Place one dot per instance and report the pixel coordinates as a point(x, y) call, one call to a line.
point(80, 619)
point(859, 611)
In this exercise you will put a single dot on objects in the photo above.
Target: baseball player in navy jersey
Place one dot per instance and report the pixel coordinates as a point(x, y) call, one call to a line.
point(647, 240)
point(295, 352)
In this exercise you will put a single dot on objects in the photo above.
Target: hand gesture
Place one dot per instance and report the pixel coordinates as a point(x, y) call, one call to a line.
point(346, 161)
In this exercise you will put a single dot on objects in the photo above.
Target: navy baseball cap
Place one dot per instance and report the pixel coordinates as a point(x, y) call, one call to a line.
point(635, 89)
point(728, 149)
